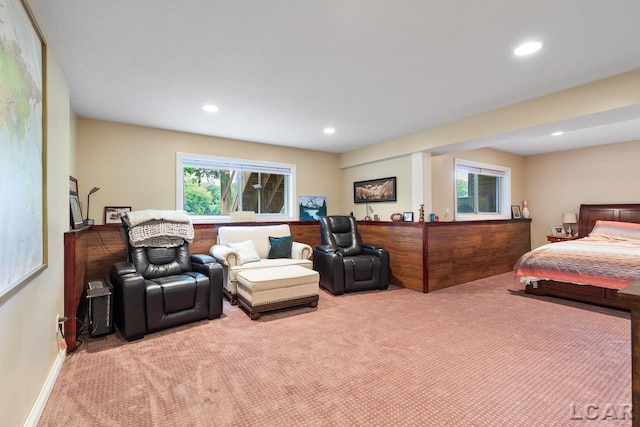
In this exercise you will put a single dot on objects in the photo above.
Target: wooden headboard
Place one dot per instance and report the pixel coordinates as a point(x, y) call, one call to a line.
point(589, 214)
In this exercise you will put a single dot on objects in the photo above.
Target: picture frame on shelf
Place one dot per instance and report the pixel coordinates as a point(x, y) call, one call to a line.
point(516, 213)
point(73, 186)
point(113, 214)
point(75, 212)
point(408, 216)
point(557, 230)
point(396, 217)
point(375, 190)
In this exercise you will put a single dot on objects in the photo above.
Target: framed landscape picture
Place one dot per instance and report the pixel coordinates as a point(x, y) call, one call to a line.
point(375, 190)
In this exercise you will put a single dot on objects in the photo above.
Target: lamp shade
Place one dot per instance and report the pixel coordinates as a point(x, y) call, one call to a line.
point(569, 218)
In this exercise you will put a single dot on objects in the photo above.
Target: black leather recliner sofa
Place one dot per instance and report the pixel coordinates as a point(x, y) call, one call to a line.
point(344, 263)
point(160, 287)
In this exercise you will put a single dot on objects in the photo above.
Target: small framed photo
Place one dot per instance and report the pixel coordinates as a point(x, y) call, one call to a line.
point(557, 230)
point(75, 213)
point(515, 212)
point(73, 186)
point(112, 214)
point(396, 217)
point(408, 216)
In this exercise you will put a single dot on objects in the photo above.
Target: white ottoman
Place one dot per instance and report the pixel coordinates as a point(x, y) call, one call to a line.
point(265, 289)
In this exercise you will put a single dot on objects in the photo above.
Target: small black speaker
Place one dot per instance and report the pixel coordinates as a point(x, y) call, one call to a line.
point(100, 311)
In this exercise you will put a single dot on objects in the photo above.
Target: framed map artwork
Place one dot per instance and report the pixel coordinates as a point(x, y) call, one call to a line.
point(23, 224)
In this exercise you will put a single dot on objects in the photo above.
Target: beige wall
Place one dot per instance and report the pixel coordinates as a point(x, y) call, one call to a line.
point(441, 180)
point(135, 165)
point(559, 182)
point(604, 95)
point(400, 168)
point(442, 175)
point(28, 346)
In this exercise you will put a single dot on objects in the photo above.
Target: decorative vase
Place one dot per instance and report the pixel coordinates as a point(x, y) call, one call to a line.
point(525, 210)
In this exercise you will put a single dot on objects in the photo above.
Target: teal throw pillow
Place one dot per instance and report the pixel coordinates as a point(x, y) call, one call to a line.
point(280, 247)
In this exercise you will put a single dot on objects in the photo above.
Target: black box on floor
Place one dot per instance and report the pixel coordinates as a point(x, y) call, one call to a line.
point(100, 308)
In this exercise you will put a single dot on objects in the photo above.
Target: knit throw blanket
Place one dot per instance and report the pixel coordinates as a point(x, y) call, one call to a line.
point(160, 229)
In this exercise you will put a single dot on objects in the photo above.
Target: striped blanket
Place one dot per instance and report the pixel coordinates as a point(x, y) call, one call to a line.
point(609, 257)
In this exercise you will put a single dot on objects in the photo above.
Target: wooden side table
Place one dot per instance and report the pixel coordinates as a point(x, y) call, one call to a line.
point(555, 239)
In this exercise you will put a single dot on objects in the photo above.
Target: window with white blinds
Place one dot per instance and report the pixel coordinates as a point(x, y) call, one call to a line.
point(482, 191)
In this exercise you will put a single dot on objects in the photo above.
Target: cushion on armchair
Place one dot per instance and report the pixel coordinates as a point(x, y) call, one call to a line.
point(247, 251)
point(280, 247)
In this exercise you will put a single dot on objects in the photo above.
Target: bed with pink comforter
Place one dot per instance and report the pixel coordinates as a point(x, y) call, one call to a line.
point(608, 258)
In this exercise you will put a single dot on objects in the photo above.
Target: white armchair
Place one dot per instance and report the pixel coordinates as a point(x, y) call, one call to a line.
point(255, 255)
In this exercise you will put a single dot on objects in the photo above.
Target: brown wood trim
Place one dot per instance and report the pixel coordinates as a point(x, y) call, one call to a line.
point(584, 293)
point(255, 311)
point(631, 295)
point(425, 260)
point(589, 214)
point(74, 279)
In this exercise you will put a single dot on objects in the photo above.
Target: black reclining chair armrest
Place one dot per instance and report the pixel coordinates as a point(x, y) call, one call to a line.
point(370, 246)
point(329, 265)
point(202, 259)
point(208, 266)
point(129, 296)
point(371, 249)
point(122, 268)
point(383, 254)
point(327, 249)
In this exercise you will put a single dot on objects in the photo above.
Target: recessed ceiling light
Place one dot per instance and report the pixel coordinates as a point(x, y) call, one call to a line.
point(329, 131)
point(210, 108)
point(527, 48)
point(557, 133)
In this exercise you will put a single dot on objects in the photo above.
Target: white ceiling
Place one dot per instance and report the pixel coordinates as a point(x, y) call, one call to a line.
point(282, 70)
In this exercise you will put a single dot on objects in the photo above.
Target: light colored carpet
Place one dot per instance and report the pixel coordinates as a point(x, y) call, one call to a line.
point(481, 354)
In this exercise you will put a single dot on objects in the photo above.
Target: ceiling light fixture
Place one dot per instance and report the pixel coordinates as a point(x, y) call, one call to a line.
point(329, 131)
point(557, 133)
point(527, 48)
point(210, 108)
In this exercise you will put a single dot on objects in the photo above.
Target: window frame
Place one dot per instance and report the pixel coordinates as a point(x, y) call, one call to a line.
point(203, 160)
point(505, 191)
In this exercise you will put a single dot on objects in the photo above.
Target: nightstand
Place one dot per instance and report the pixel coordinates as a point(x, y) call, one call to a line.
point(555, 239)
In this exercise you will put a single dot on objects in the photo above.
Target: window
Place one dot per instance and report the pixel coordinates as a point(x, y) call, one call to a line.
point(482, 191)
point(212, 187)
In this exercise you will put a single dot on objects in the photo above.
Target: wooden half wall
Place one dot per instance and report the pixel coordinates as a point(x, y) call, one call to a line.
point(424, 257)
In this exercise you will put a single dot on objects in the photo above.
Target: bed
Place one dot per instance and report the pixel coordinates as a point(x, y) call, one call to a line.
point(593, 267)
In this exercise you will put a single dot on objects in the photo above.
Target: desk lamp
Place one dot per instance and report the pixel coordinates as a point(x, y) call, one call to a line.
point(88, 221)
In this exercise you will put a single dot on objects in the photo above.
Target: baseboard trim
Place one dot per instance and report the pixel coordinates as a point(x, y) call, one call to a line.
point(38, 407)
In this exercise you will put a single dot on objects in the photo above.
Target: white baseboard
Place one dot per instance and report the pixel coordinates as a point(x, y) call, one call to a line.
point(45, 392)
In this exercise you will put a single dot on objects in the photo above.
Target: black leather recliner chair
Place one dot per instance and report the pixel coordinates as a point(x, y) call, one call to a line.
point(344, 263)
point(160, 288)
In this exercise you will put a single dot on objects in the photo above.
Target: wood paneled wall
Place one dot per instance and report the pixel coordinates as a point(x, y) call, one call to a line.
point(405, 242)
point(459, 252)
point(429, 256)
point(424, 257)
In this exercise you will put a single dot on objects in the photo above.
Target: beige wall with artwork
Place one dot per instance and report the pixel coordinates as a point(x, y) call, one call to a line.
point(29, 345)
point(559, 182)
point(440, 179)
point(135, 165)
point(400, 168)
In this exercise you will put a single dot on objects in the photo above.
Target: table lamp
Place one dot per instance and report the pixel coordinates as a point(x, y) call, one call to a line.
point(88, 221)
point(569, 218)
